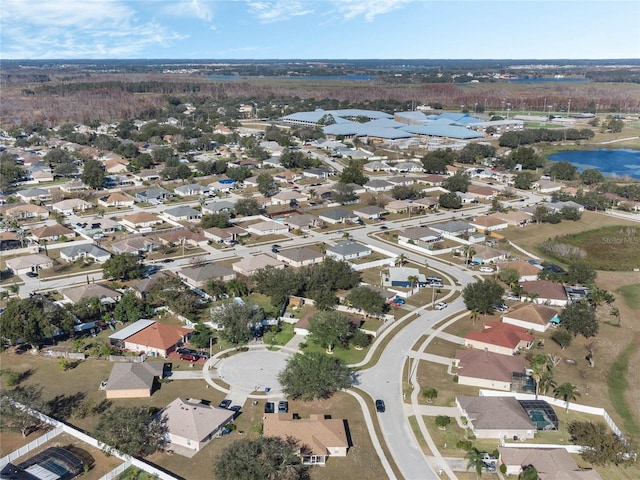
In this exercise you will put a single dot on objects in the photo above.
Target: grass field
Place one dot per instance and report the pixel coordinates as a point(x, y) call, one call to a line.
point(631, 295)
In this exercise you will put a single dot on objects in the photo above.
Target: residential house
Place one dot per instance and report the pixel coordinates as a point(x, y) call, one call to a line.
point(501, 338)
point(485, 254)
point(496, 417)
point(117, 199)
point(135, 245)
point(224, 185)
point(72, 205)
point(348, 250)
point(550, 463)
point(183, 214)
point(52, 233)
point(526, 271)
point(75, 252)
point(192, 423)
point(407, 167)
point(483, 193)
point(182, 237)
point(453, 228)
point(400, 277)
point(157, 340)
point(154, 196)
point(133, 379)
point(147, 175)
point(227, 235)
point(191, 190)
point(319, 436)
point(378, 185)
point(338, 216)
point(557, 207)
point(488, 370)
point(419, 235)
point(199, 276)
point(317, 173)
point(532, 316)
point(97, 227)
point(426, 202)
point(74, 186)
point(28, 263)
point(115, 165)
point(268, 228)
point(487, 224)
point(302, 221)
point(221, 206)
point(376, 166)
point(466, 197)
point(398, 206)
point(27, 212)
point(433, 179)
point(300, 256)
point(288, 197)
point(544, 292)
point(250, 265)
point(369, 212)
point(82, 292)
point(33, 194)
point(401, 181)
point(514, 218)
point(140, 220)
point(546, 186)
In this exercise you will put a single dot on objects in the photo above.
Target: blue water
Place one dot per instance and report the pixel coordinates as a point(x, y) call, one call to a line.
point(301, 77)
point(548, 79)
point(612, 163)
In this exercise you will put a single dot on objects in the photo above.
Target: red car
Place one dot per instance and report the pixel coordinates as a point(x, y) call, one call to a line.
point(189, 357)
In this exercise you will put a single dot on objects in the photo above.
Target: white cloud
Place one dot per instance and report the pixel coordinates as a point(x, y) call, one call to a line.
point(78, 29)
point(279, 10)
point(369, 9)
point(190, 8)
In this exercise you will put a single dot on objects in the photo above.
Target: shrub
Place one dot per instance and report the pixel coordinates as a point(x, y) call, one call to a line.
point(443, 420)
point(464, 445)
point(455, 379)
point(11, 377)
point(503, 469)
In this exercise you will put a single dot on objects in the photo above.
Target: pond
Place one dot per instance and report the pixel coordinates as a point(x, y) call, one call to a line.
point(612, 163)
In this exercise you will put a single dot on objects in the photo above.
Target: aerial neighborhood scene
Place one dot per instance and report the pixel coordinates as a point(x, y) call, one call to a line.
point(319, 252)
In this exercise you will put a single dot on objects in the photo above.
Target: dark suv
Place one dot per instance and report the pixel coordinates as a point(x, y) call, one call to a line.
point(283, 406)
point(380, 408)
point(269, 407)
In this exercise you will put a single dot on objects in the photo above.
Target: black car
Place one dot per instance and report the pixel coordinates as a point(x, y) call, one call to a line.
point(225, 403)
point(186, 351)
point(32, 274)
point(380, 408)
point(236, 409)
point(167, 260)
point(269, 407)
point(283, 406)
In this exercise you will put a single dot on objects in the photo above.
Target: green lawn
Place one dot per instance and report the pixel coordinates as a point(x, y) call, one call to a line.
point(280, 337)
point(631, 295)
point(264, 302)
point(347, 355)
point(617, 382)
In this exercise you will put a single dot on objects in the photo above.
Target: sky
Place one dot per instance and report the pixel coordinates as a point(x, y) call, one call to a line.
point(319, 29)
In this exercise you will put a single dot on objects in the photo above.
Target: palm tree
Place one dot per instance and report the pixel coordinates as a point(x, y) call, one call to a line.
point(468, 252)
point(529, 472)
point(474, 461)
point(430, 394)
point(568, 392)
point(401, 260)
point(413, 281)
point(346, 235)
point(615, 313)
point(237, 288)
point(312, 194)
point(547, 382)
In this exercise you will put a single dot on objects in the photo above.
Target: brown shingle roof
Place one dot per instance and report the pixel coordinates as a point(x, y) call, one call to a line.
point(532, 313)
point(159, 335)
point(500, 334)
point(317, 433)
point(488, 365)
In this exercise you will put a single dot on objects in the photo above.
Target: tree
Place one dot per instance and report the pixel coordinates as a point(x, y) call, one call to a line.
point(582, 273)
point(266, 184)
point(509, 276)
point(314, 375)
point(129, 308)
point(474, 461)
point(219, 220)
point(93, 173)
point(563, 170)
point(10, 171)
point(131, 430)
point(523, 180)
point(360, 339)
point(366, 299)
point(437, 161)
point(468, 252)
point(450, 200)
point(567, 392)
point(277, 283)
point(442, 421)
point(123, 266)
point(343, 193)
point(457, 183)
point(562, 337)
point(529, 472)
point(330, 328)
point(430, 394)
point(33, 319)
point(352, 173)
point(202, 336)
point(591, 176)
point(601, 446)
point(65, 170)
point(246, 207)
point(579, 318)
point(482, 295)
point(13, 416)
point(236, 319)
point(269, 458)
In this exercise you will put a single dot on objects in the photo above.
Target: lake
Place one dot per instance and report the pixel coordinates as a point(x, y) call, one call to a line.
point(612, 163)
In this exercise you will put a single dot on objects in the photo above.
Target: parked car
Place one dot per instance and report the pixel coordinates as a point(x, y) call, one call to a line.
point(384, 227)
point(473, 264)
point(225, 403)
point(32, 274)
point(269, 407)
point(489, 466)
point(283, 406)
point(236, 409)
point(486, 269)
point(186, 351)
point(501, 307)
point(189, 357)
point(488, 458)
point(441, 305)
point(380, 407)
point(167, 260)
